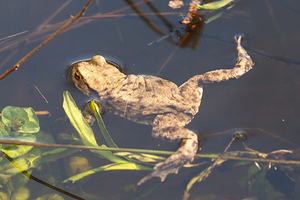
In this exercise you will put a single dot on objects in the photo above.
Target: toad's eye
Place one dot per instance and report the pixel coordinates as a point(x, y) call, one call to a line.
point(77, 76)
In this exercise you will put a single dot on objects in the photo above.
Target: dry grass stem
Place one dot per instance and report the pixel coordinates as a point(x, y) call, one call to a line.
point(41, 94)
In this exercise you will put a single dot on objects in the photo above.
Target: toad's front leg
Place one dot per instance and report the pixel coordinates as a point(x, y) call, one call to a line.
point(170, 126)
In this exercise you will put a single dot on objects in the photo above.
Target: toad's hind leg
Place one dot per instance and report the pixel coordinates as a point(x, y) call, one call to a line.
point(243, 64)
point(171, 126)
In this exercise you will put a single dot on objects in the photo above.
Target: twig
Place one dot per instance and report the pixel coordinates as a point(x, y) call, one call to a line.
point(42, 33)
point(43, 112)
point(71, 21)
point(14, 35)
point(216, 162)
point(41, 26)
point(70, 146)
point(28, 175)
point(41, 93)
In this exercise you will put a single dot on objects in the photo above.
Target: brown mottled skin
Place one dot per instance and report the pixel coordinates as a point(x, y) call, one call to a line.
point(155, 101)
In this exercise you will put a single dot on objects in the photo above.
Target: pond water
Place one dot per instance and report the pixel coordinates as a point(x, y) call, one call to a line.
point(264, 102)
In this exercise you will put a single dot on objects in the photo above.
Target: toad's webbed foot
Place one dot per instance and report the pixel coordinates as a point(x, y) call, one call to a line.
point(184, 155)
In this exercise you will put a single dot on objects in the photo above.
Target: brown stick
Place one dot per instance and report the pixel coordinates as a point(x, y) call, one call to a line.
point(72, 20)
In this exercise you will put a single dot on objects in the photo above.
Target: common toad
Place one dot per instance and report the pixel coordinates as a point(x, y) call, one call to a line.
point(155, 101)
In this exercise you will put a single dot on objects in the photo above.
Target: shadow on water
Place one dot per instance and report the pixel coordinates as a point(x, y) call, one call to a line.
point(148, 38)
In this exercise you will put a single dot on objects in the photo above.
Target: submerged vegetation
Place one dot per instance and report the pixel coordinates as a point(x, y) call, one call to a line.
point(22, 125)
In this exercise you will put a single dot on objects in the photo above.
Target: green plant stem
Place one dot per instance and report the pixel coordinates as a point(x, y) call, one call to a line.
point(225, 157)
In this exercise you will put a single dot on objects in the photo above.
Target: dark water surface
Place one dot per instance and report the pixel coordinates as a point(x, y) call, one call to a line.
point(265, 101)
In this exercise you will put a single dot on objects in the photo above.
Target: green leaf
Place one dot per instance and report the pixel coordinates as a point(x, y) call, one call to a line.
point(84, 130)
point(14, 117)
point(109, 155)
point(145, 158)
point(4, 129)
point(22, 120)
point(55, 154)
point(77, 120)
point(113, 166)
point(33, 125)
point(214, 5)
point(216, 16)
point(106, 135)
